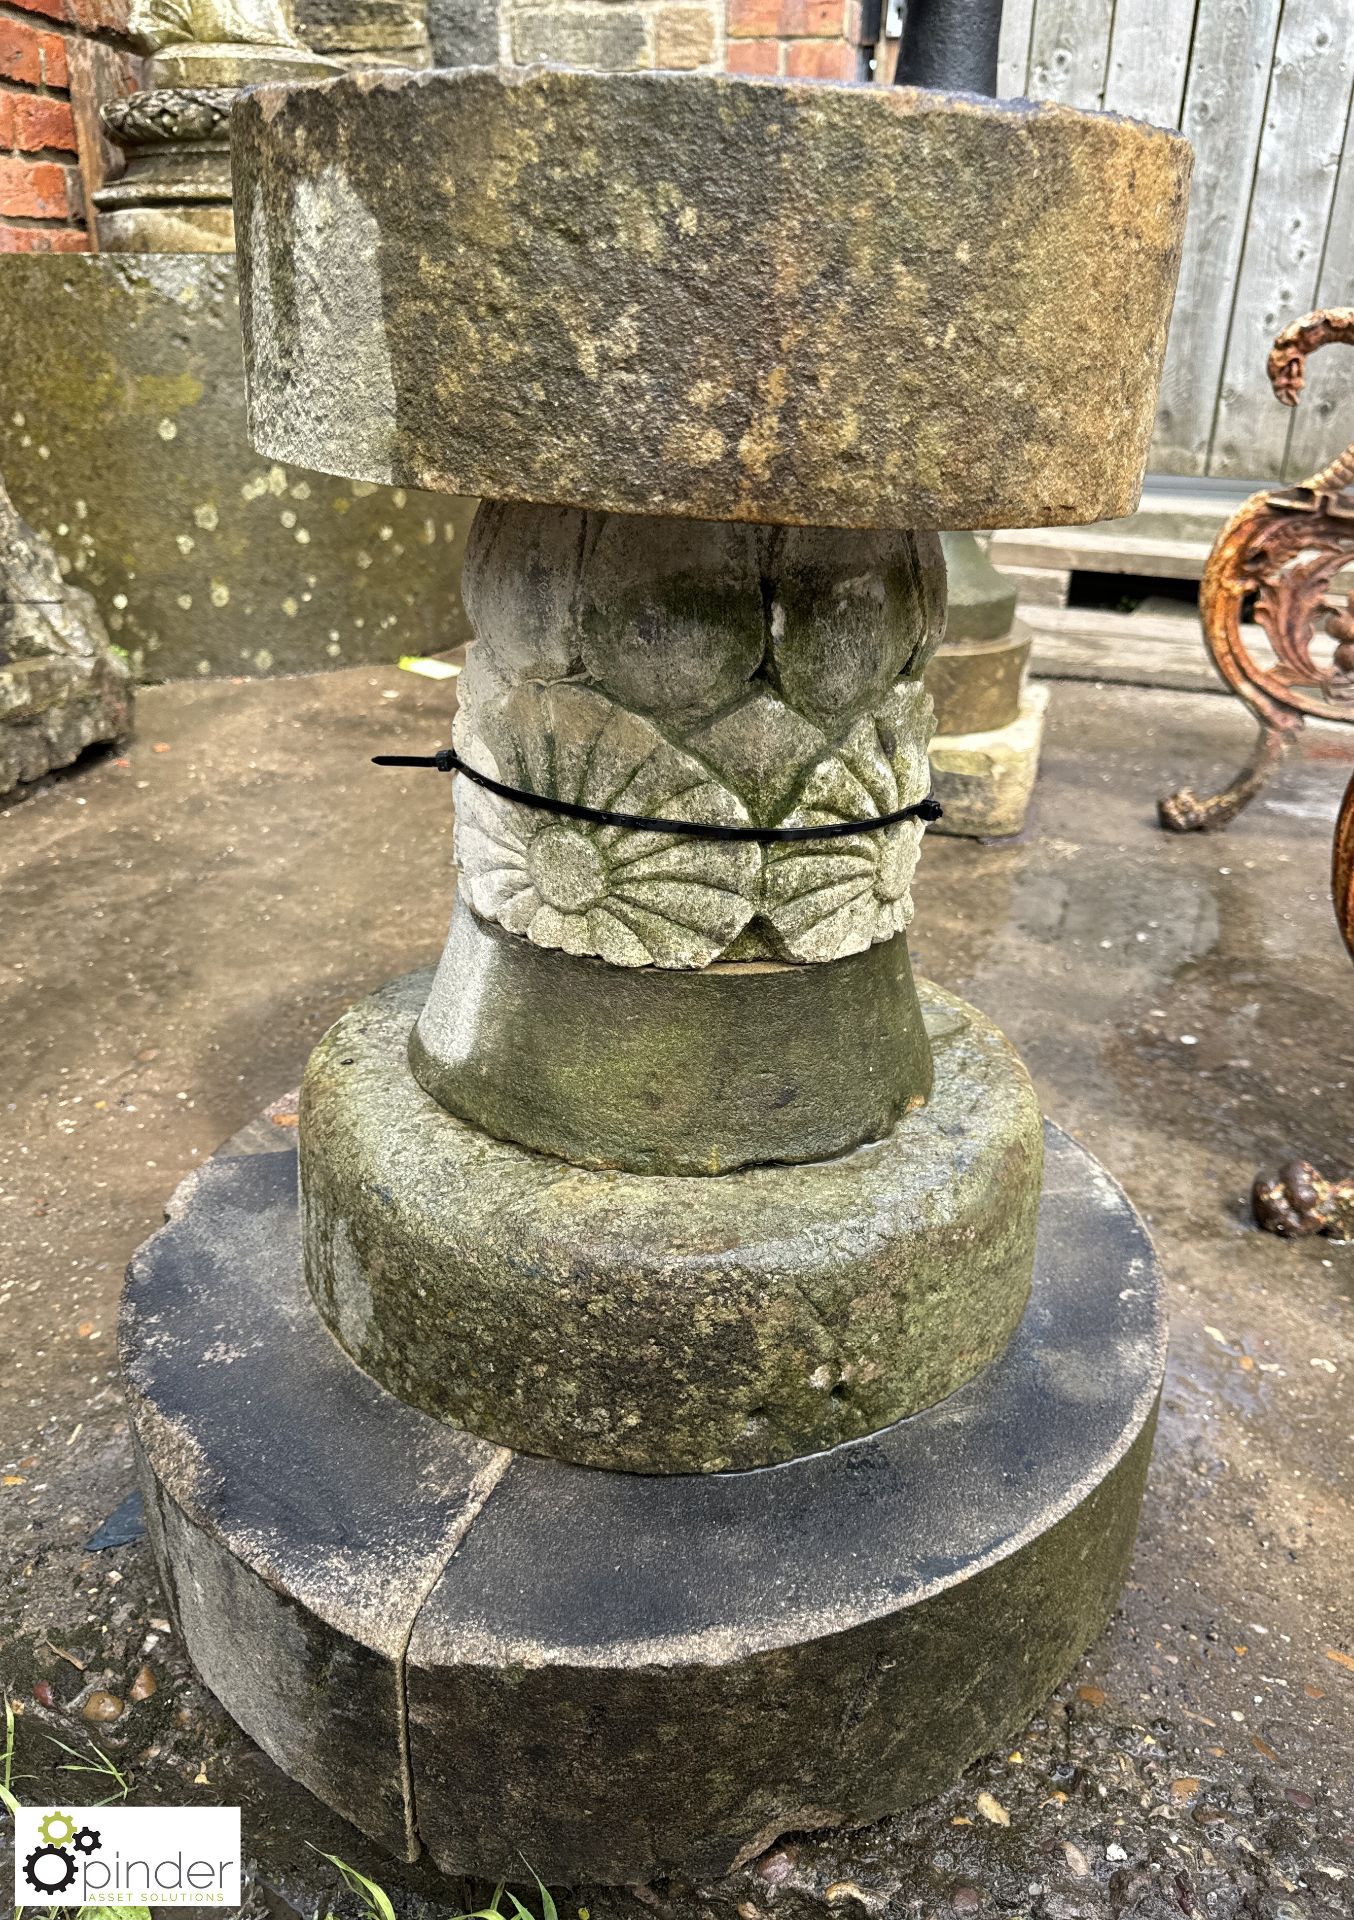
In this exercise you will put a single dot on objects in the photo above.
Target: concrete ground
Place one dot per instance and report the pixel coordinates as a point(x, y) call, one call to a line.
point(179, 925)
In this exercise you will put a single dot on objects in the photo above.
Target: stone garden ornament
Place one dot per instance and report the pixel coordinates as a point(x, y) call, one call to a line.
point(693, 1396)
point(62, 686)
point(173, 195)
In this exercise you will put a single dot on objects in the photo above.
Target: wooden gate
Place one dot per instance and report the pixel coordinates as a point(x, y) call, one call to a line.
point(1263, 89)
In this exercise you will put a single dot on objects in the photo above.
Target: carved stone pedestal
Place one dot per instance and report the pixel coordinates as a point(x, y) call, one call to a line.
point(677, 1415)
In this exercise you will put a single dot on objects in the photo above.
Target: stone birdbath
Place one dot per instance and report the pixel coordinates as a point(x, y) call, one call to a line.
point(694, 1396)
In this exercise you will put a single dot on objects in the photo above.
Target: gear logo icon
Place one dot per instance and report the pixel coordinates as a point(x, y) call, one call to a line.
point(56, 1828)
point(49, 1869)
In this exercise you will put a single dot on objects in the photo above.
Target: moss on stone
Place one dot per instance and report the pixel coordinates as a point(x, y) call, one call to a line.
point(661, 1324)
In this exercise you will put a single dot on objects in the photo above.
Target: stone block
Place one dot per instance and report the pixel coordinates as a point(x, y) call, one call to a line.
point(609, 1676)
point(609, 39)
point(675, 348)
point(464, 33)
point(396, 30)
point(684, 37)
point(976, 685)
point(984, 780)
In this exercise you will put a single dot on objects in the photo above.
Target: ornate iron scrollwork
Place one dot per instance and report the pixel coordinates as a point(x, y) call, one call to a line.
point(1278, 557)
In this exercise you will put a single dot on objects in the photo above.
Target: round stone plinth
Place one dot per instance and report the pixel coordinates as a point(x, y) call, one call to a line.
point(976, 684)
point(660, 293)
point(610, 1675)
point(697, 1072)
point(658, 1324)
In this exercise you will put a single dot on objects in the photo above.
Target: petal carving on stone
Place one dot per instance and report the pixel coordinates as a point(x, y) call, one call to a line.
point(828, 898)
point(625, 895)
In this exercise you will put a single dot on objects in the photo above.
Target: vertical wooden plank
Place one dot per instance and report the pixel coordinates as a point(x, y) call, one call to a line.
point(1226, 90)
point(1013, 55)
point(1323, 424)
point(1300, 147)
point(1069, 49)
point(1148, 55)
point(98, 74)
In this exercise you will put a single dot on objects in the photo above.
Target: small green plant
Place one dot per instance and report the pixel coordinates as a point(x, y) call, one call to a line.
point(7, 1775)
point(10, 1802)
point(376, 1901)
point(101, 1765)
point(519, 1912)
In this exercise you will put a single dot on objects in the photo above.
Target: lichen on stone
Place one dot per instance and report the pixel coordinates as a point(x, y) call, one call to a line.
point(731, 675)
point(62, 686)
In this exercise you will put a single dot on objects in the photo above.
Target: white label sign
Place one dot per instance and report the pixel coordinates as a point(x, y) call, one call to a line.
point(127, 1857)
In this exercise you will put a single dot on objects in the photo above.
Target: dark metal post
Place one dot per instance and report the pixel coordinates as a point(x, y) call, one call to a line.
point(950, 44)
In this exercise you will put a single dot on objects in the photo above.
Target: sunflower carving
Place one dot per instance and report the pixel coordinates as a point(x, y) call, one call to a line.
point(828, 898)
point(631, 897)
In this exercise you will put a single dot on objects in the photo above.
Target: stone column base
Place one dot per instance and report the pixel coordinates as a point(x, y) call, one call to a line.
point(984, 780)
point(500, 1657)
point(659, 1325)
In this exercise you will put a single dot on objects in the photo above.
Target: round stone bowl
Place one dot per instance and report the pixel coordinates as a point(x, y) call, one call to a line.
point(778, 301)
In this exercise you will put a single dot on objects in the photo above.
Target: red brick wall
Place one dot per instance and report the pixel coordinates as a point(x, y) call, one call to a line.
point(804, 39)
point(44, 49)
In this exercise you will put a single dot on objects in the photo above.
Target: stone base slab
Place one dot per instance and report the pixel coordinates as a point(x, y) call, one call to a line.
point(657, 1324)
point(984, 780)
point(497, 1657)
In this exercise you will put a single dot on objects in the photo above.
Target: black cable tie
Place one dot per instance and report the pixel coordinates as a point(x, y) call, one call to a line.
point(447, 760)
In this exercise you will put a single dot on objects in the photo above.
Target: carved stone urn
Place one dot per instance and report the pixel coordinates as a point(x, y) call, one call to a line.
point(173, 195)
point(690, 1395)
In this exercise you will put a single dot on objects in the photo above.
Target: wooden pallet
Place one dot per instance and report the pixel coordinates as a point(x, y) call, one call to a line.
point(1159, 643)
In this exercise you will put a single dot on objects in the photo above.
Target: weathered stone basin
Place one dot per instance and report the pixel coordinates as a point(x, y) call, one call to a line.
point(772, 301)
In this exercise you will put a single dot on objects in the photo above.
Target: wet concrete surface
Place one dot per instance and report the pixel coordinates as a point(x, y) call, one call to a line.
point(179, 925)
